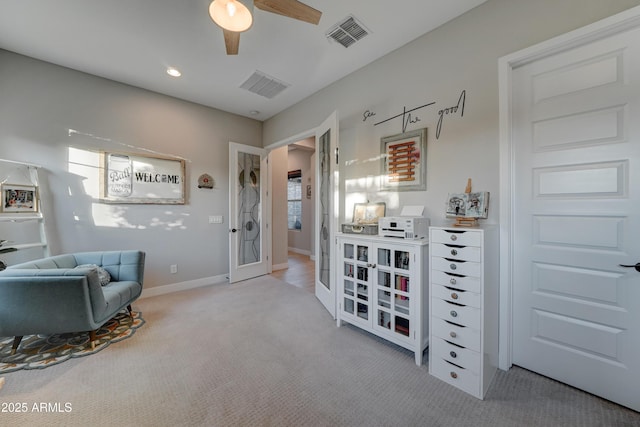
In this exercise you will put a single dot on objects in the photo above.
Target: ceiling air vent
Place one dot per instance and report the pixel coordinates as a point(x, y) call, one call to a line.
point(347, 32)
point(264, 85)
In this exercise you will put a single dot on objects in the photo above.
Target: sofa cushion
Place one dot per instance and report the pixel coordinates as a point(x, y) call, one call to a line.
point(103, 274)
point(58, 261)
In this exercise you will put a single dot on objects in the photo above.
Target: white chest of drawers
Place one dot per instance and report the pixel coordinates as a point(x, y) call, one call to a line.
point(463, 306)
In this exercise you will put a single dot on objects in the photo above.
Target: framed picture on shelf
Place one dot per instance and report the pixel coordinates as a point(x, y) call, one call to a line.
point(404, 161)
point(19, 198)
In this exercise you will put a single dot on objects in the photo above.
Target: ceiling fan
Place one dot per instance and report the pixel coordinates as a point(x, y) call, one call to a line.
point(234, 16)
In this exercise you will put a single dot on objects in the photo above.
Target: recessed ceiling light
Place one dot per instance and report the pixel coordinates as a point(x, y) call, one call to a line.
point(173, 72)
point(254, 112)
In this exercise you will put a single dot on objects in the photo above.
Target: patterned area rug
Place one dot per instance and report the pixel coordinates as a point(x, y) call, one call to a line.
point(41, 351)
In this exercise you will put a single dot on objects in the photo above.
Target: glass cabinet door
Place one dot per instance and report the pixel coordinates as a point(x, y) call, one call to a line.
point(392, 290)
point(355, 277)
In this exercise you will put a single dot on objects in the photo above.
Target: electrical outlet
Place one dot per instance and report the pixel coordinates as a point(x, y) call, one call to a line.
point(173, 268)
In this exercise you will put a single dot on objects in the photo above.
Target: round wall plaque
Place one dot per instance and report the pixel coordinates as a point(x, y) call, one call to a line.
point(205, 181)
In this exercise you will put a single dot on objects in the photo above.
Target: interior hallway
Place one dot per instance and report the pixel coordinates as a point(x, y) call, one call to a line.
point(300, 273)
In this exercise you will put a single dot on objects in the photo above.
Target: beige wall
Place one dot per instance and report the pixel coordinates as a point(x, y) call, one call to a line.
point(278, 160)
point(41, 102)
point(300, 240)
point(460, 55)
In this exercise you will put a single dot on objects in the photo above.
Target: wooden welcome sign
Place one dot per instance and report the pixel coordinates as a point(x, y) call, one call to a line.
point(131, 178)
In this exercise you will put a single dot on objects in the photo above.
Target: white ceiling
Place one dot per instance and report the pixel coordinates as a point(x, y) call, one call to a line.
point(134, 41)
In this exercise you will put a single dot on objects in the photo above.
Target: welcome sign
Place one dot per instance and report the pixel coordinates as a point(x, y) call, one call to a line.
point(129, 178)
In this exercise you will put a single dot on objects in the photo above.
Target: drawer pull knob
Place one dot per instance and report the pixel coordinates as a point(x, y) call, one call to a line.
point(454, 252)
point(453, 375)
point(453, 334)
point(452, 281)
point(453, 313)
point(453, 354)
point(454, 237)
point(453, 266)
point(454, 295)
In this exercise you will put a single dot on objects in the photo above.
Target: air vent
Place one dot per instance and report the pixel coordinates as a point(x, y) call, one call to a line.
point(264, 85)
point(347, 32)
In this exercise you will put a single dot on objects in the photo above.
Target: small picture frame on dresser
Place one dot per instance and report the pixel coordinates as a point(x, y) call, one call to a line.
point(467, 208)
point(468, 205)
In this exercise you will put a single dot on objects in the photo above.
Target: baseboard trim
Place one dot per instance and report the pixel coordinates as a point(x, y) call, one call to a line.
point(183, 286)
point(300, 251)
point(282, 266)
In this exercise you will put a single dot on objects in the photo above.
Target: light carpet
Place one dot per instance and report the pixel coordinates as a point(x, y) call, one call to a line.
point(265, 353)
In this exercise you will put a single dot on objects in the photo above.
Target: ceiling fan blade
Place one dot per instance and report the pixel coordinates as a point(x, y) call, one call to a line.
point(291, 9)
point(231, 41)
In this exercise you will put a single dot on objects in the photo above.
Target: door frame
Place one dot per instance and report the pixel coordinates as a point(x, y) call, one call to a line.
point(312, 132)
point(614, 24)
point(283, 142)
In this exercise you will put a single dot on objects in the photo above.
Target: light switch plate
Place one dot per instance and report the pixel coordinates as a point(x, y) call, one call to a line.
point(215, 219)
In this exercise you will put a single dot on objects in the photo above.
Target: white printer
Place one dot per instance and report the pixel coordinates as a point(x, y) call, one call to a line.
point(405, 226)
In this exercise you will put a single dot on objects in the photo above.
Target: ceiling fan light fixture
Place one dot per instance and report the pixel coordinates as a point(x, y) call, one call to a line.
point(232, 15)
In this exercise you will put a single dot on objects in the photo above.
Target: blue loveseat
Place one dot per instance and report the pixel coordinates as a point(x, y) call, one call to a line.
point(52, 295)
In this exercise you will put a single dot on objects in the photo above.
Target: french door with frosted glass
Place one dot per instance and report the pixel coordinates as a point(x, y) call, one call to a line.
point(247, 198)
point(327, 211)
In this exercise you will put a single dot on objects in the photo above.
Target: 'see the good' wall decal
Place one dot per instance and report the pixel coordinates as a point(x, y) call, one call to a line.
point(408, 118)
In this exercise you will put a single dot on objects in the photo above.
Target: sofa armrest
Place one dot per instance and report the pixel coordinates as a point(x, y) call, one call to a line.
point(49, 300)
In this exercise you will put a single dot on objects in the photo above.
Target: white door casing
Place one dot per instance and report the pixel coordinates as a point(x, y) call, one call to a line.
point(570, 209)
point(247, 213)
point(327, 202)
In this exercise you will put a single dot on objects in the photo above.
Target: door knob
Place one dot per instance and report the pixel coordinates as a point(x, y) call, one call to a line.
point(636, 266)
point(233, 230)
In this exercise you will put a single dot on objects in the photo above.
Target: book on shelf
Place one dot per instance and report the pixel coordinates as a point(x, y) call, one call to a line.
point(402, 326)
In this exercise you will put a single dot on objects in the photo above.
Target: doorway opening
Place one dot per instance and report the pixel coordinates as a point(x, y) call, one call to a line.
point(293, 186)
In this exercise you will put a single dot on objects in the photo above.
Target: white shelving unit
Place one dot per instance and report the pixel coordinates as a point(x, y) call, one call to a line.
point(464, 307)
point(382, 288)
point(24, 232)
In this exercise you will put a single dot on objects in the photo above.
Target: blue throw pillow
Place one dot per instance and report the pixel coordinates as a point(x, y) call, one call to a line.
point(103, 275)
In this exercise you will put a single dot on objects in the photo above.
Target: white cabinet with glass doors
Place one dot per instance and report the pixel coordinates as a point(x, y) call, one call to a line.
point(382, 288)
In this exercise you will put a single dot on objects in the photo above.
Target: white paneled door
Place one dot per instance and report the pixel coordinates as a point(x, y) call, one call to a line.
point(576, 216)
